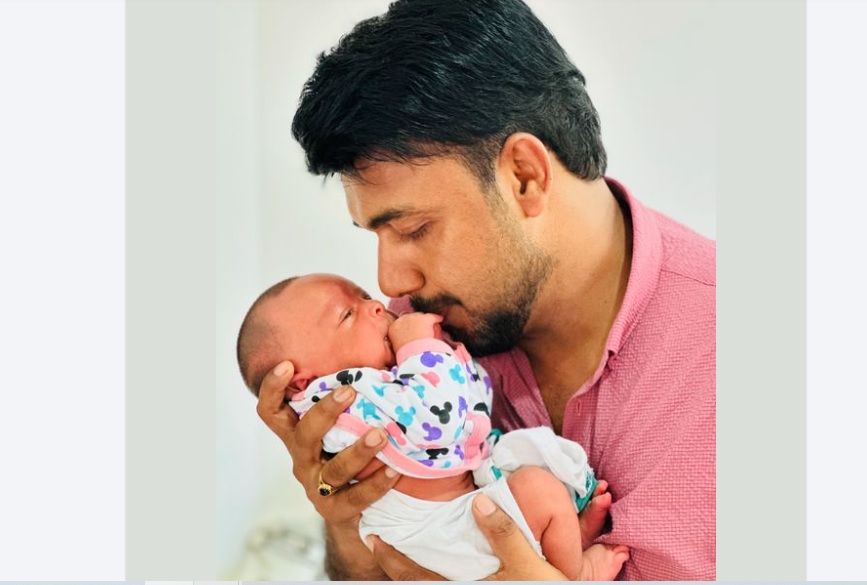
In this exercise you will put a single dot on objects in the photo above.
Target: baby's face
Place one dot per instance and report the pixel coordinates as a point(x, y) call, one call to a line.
point(327, 323)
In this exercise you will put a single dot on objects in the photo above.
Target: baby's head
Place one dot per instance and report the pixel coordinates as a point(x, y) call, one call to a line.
point(322, 323)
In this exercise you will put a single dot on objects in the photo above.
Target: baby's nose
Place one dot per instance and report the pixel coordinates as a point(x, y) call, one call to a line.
point(376, 308)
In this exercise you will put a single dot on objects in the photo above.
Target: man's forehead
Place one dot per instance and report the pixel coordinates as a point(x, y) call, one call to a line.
point(377, 188)
point(384, 191)
point(381, 173)
point(371, 208)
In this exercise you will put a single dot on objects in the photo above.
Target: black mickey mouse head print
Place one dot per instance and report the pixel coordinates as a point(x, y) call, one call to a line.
point(345, 377)
point(442, 413)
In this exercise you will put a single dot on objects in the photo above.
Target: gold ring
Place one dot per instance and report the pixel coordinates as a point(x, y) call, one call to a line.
point(325, 489)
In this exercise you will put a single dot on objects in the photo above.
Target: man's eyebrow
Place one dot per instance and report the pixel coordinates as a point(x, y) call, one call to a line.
point(384, 217)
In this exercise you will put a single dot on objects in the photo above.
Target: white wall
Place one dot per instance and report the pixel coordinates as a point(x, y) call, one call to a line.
point(650, 71)
point(239, 481)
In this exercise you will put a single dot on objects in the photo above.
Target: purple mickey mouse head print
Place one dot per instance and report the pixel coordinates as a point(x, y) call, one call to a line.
point(429, 359)
point(433, 433)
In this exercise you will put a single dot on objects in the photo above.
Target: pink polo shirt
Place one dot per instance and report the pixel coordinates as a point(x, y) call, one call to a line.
point(647, 417)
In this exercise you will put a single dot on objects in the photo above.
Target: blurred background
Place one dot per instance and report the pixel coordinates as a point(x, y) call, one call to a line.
point(650, 70)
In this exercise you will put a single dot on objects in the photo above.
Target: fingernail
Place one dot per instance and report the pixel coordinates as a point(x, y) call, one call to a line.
point(389, 472)
point(368, 542)
point(280, 370)
point(485, 505)
point(373, 438)
point(341, 394)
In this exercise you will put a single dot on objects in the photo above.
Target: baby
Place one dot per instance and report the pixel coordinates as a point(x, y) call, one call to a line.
point(433, 400)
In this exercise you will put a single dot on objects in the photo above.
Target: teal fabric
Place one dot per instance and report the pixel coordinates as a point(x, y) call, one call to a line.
point(581, 503)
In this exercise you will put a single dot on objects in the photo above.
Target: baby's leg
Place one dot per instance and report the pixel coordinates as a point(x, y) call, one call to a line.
point(546, 506)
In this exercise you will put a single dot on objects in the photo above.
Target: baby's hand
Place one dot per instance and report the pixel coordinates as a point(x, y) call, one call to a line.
point(413, 326)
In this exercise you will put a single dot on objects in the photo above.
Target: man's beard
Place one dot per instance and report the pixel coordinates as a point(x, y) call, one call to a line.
point(499, 329)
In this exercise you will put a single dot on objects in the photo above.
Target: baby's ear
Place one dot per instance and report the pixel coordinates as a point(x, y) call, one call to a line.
point(300, 382)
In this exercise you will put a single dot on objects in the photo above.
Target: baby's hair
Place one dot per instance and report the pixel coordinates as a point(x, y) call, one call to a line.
point(256, 348)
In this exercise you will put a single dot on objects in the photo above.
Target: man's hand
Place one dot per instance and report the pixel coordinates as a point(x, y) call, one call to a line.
point(303, 439)
point(518, 560)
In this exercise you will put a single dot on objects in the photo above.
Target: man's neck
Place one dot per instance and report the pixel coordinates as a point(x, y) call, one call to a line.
point(573, 315)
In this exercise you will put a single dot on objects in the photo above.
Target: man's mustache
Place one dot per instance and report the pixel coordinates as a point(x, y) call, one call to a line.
point(436, 304)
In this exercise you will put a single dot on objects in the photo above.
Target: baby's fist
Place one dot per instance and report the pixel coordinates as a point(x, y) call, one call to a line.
point(413, 326)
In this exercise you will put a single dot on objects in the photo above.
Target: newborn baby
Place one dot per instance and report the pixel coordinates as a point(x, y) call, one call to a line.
point(433, 400)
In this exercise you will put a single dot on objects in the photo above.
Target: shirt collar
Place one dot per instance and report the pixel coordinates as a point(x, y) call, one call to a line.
point(644, 271)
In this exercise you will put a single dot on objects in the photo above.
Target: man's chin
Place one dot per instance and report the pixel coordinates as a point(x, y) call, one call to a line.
point(477, 347)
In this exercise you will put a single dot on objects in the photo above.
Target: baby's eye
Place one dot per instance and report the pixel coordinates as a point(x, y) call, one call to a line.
point(346, 315)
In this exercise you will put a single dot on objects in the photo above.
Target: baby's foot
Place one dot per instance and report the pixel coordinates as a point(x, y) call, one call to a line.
point(602, 562)
point(593, 516)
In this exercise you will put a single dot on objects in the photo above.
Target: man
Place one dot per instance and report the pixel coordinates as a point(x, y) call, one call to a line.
point(465, 140)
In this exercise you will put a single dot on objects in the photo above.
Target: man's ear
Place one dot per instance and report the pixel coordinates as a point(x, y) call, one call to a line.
point(527, 165)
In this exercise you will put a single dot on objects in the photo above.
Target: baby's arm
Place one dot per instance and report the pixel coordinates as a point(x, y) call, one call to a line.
point(447, 392)
point(550, 513)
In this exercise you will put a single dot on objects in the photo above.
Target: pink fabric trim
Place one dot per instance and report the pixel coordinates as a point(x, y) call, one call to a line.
point(420, 346)
point(349, 423)
point(476, 440)
point(462, 354)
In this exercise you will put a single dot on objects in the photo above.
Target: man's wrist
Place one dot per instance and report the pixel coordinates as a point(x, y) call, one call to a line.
point(347, 558)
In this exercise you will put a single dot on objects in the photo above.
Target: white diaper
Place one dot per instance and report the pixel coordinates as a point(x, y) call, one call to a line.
point(442, 536)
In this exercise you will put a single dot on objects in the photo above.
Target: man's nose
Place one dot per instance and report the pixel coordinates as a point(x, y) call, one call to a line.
point(397, 275)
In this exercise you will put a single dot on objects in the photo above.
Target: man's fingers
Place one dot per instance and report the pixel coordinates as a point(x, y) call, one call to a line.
point(320, 418)
point(347, 503)
point(348, 463)
point(280, 418)
point(518, 560)
point(370, 489)
point(506, 539)
point(396, 565)
point(359, 496)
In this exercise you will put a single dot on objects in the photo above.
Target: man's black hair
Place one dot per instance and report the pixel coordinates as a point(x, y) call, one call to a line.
point(445, 77)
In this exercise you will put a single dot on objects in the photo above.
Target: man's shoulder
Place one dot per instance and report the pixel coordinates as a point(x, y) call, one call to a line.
point(686, 253)
point(680, 315)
